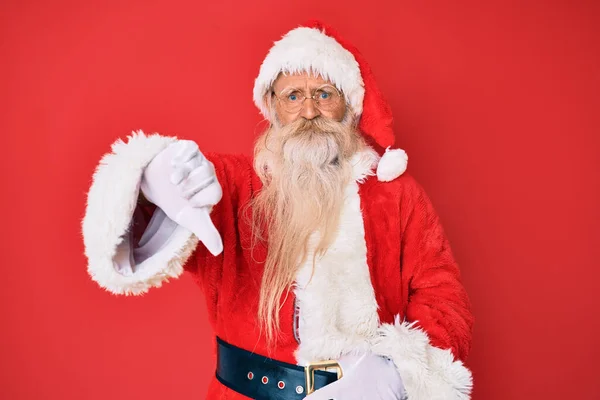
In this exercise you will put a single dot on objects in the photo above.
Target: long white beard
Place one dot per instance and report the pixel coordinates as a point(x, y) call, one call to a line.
point(305, 167)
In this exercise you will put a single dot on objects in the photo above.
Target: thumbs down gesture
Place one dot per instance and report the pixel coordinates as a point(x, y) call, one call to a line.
point(183, 183)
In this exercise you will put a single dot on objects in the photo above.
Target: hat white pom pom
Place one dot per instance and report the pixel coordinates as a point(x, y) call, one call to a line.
point(392, 164)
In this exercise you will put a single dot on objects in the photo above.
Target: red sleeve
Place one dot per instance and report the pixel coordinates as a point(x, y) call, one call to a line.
point(235, 175)
point(437, 298)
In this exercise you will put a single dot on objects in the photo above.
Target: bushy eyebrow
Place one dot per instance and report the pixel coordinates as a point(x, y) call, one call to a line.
point(291, 89)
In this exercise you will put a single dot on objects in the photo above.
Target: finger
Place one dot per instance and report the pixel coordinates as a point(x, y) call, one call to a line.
point(208, 196)
point(200, 173)
point(187, 150)
point(181, 171)
point(178, 175)
point(193, 188)
point(196, 176)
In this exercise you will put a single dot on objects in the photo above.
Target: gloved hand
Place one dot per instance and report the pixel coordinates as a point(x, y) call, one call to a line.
point(182, 182)
point(365, 377)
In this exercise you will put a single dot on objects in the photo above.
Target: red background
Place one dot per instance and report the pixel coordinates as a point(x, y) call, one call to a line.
point(496, 104)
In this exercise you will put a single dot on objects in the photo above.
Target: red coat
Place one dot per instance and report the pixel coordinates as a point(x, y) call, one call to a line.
point(388, 283)
point(412, 270)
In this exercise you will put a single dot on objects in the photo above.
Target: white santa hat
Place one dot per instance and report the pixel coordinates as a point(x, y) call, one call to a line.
point(316, 48)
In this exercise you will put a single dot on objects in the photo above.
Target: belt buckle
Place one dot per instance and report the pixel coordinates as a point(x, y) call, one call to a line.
point(310, 368)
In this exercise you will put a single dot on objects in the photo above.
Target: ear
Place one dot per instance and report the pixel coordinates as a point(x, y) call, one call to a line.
point(350, 116)
point(270, 102)
point(268, 98)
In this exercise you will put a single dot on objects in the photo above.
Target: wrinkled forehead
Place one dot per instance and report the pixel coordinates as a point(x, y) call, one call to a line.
point(299, 80)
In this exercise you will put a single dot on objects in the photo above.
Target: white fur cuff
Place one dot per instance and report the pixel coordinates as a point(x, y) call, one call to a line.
point(111, 201)
point(428, 372)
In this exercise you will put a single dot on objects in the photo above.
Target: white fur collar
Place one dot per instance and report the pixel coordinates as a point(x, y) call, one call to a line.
point(363, 164)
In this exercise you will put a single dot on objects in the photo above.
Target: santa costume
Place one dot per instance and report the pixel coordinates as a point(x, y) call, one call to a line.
point(388, 284)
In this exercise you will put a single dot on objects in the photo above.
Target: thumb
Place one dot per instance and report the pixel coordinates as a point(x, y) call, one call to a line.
point(197, 220)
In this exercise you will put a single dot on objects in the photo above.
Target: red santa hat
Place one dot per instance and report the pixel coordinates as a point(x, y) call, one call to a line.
point(317, 48)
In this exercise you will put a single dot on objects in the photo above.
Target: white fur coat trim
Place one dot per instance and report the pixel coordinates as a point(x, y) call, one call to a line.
point(111, 201)
point(308, 49)
point(428, 372)
point(336, 301)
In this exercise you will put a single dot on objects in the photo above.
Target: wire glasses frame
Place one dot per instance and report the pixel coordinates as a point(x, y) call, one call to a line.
point(326, 98)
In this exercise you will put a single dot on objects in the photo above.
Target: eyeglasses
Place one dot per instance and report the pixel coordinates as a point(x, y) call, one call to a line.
point(326, 98)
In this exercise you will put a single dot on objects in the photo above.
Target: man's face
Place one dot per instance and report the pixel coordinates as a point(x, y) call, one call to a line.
point(303, 84)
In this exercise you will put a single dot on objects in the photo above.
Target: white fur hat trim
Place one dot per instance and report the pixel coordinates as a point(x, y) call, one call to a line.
point(310, 50)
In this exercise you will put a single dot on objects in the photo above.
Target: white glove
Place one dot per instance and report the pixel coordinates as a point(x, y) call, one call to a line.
point(182, 182)
point(365, 377)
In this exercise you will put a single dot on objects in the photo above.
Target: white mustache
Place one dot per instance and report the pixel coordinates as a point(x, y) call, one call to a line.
point(314, 141)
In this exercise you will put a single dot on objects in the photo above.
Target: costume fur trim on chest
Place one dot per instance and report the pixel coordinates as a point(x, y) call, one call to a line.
point(336, 301)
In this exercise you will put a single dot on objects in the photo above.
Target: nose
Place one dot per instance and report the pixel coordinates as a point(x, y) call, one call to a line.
point(309, 109)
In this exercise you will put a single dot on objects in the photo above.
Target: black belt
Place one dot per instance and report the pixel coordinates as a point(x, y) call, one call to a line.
point(263, 378)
